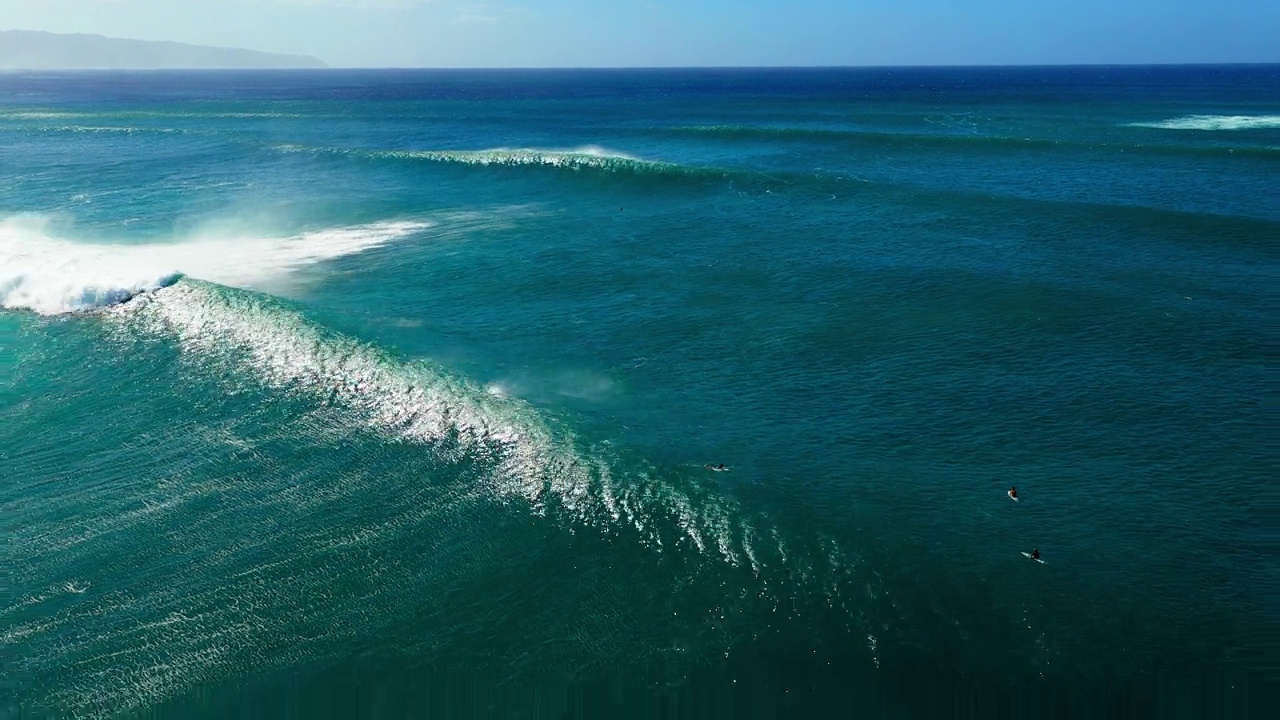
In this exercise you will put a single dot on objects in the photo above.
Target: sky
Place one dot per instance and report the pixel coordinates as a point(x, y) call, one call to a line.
point(663, 33)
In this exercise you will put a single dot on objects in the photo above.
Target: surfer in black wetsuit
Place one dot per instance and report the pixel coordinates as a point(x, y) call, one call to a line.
point(1013, 493)
point(1035, 554)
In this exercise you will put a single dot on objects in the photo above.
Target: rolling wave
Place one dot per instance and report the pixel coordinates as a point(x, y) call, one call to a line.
point(230, 333)
point(210, 628)
point(22, 115)
point(1215, 122)
point(50, 275)
point(585, 158)
point(111, 129)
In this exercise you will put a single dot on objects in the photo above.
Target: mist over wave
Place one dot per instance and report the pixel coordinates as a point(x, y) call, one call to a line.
point(51, 275)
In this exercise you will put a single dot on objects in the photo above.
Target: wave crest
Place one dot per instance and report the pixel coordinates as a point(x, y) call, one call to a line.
point(1216, 122)
point(584, 158)
point(51, 276)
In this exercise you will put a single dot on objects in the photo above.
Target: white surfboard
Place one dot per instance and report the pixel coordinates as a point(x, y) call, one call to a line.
point(1028, 555)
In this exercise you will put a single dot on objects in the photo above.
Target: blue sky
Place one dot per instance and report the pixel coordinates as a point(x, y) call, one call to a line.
point(649, 33)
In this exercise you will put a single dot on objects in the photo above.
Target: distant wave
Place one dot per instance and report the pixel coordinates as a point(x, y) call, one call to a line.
point(51, 275)
point(40, 115)
point(148, 114)
point(123, 130)
point(583, 158)
point(1216, 122)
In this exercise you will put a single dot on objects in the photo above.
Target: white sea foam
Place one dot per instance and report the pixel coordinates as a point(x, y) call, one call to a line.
point(1216, 122)
point(50, 275)
point(588, 157)
point(120, 129)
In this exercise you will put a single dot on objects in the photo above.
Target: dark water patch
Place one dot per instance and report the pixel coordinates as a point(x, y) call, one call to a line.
point(881, 140)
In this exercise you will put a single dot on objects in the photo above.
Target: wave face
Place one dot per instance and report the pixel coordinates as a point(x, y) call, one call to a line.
point(50, 275)
point(212, 627)
point(1216, 122)
point(226, 332)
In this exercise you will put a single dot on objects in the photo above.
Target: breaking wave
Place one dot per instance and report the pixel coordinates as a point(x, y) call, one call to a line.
point(229, 332)
point(211, 627)
point(1216, 122)
point(585, 158)
point(238, 337)
point(51, 275)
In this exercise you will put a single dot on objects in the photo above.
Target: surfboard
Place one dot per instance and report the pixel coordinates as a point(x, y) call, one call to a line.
point(1028, 556)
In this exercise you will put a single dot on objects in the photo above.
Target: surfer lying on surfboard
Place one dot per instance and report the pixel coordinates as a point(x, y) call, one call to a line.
point(1013, 494)
point(1035, 554)
point(717, 468)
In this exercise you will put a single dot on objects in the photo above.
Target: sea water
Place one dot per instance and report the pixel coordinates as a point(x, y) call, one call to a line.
point(391, 394)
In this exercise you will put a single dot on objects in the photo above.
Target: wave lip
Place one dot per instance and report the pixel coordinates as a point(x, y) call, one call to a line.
point(1216, 122)
point(53, 276)
point(589, 157)
point(580, 158)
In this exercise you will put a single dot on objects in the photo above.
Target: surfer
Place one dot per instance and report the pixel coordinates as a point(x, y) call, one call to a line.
point(1035, 554)
point(717, 468)
point(1013, 493)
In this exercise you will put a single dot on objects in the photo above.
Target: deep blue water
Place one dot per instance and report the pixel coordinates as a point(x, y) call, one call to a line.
point(408, 408)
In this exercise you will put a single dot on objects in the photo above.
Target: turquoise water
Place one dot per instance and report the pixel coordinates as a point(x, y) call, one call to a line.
point(407, 411)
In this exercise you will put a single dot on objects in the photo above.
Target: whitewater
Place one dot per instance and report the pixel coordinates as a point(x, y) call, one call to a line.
point(51, 275)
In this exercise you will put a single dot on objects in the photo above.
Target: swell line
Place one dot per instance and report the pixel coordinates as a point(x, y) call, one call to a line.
point(882, 140)
point(577, 160)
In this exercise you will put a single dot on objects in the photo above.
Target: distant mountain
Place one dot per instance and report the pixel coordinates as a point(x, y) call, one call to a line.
point(22, 49)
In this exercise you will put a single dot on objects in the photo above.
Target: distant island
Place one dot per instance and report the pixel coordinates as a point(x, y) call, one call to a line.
point(26, 50)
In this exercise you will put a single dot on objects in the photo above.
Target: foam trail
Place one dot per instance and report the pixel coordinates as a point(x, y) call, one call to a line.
point(1216, 122)
point(50, 275)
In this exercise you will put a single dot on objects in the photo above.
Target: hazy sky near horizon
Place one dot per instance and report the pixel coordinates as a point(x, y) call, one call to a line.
point(654, 33)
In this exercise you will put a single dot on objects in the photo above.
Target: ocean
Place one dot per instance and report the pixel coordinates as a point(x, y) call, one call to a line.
point(404, 393)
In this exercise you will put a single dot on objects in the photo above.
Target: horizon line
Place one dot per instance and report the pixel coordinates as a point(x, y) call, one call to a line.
point(332, 68)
